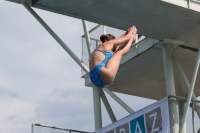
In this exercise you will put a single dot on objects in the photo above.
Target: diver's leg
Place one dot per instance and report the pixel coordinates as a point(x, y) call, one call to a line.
point(124, 48)
point(109, 72)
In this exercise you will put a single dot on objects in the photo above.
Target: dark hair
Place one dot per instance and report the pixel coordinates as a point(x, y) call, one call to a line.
point(106, 37)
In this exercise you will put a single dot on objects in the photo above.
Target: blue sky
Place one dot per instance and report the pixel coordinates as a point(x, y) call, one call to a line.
point(39, 82)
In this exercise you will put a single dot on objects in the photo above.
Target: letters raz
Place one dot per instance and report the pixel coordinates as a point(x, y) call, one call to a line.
point(150, 122)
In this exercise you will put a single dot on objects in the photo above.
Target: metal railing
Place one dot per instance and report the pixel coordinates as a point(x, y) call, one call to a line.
point(39, 128)
point(196, 1)
point(193, 121)
point(85, 57)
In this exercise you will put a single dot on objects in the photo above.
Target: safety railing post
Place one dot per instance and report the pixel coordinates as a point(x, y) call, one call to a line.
point(87, 37)
point(188, 3)
point(181, 104)
point(104, 29)
point(32, 128)
point(193, 118)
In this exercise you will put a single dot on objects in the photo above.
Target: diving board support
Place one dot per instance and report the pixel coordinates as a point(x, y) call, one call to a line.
point(185, 80)
point(87, 37)
point(53, 34)
point(107, 105)
point(97, 108)
point(118, 100)
point(170, 86)
point(168, 67)
point(189, 97)
point(96, 90)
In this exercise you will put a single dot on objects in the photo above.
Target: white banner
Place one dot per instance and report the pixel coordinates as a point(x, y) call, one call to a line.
point(152, 119)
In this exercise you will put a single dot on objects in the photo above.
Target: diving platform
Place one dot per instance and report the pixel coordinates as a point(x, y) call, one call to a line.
point(156, 19)
point(141, 75)
point(141, 72)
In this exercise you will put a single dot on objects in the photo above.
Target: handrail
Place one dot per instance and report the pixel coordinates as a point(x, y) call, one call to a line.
point(93, 29)
point(72, 130)
point(182, 98)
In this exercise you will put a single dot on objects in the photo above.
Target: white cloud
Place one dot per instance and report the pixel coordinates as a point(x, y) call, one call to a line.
point(16, 114)
point(69, 106)
point(33, 64)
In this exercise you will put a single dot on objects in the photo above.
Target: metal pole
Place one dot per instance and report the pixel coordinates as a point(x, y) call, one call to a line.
point(107, 105)
point(188, 2)
point(96, 90)
point(181, 105)
point(78, 61)
point(104, 29)
point(169, 73)
point(170, 87)
point(87, 37)
point(184, 79)
point(191, 91)
point(32, 128)
point(118, 100)
point(96, 43)
point(97, 108)
point(193, 119)
point(136, 40)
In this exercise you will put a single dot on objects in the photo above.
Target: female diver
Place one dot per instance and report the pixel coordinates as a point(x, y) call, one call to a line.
point(105, 60)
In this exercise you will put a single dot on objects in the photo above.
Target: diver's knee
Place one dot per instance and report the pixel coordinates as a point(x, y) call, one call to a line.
point(108, 78)
point(122, 52)
point(108, 81)
point(119, 52)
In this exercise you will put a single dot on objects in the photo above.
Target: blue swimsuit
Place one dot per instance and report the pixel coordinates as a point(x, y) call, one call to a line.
point(95, 73)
